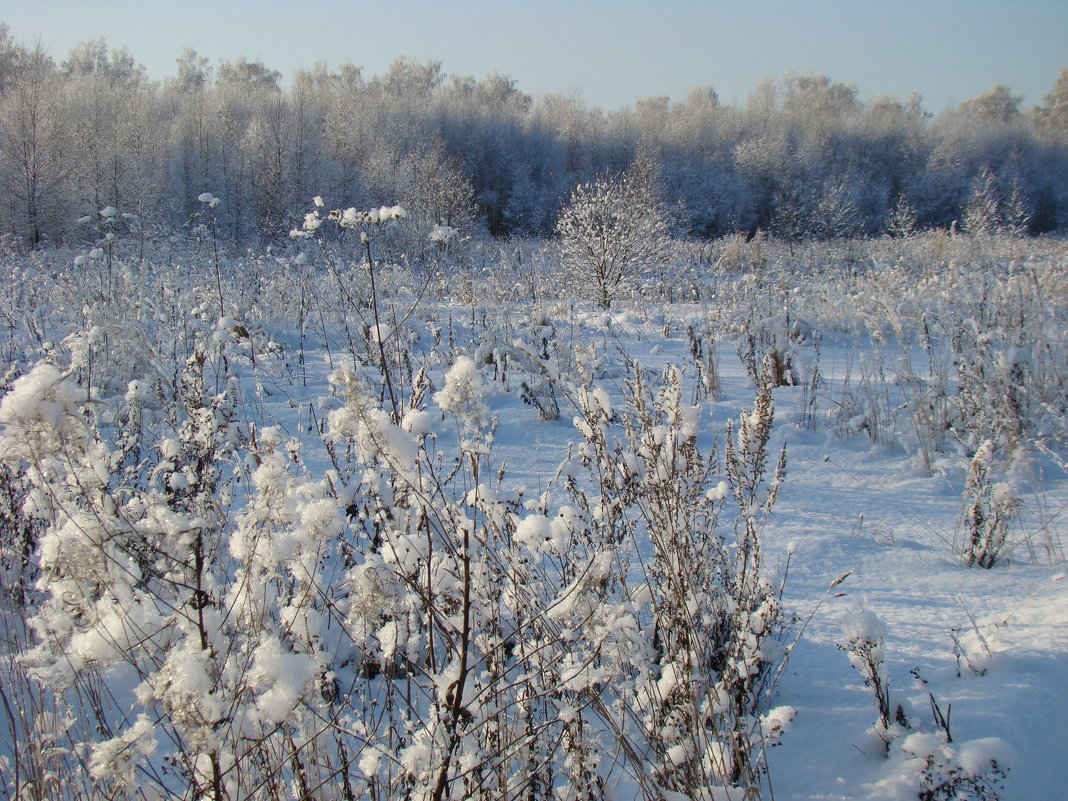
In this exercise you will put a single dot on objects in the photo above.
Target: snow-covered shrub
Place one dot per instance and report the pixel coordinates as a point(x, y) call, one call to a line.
point(612, 229)
point(515, 644)
point(739, 252)
point(703, 352)
point(489, 628)
point(411, 621)
point(124, 569)
point(138, 591)
point(864, 635)
point(1009, 346)
point(539, 391)
point(767, 350)
point(989, 512)
point(369, 225)
point(707, 613)
point(974, 771)
point(537, 360)
point(441, 611)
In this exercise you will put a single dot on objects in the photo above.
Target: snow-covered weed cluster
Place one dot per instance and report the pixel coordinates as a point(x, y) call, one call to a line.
point(701, 691)
point(965, 351)
point(222, 621)
point(989, 512)
point(927, 763)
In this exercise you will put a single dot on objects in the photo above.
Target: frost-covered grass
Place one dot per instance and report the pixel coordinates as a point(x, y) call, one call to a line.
point(562, 550)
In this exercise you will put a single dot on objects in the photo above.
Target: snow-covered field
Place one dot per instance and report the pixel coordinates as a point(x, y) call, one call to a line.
point(196, 585)
point(871, 511)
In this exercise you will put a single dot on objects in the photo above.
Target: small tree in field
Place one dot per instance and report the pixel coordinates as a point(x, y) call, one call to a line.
point(613, 228)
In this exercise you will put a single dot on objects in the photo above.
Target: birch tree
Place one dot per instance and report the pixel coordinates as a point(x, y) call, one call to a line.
point(33, 149)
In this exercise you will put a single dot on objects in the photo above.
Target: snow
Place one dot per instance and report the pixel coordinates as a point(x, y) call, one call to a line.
point(464, 393)
point(921, 597)
point(921, 744)
point(867, 509)
point(117, 758)
point(976, 756)
point(280, 678)
point(534, 532)
point(417, 422)
point(442, 234)
point(990, 644)
point(864, 626)
point(42, 397)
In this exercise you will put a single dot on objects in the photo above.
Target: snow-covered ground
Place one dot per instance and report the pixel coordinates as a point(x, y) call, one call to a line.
point(848, 506)
point(871, 512)
point(985, 649)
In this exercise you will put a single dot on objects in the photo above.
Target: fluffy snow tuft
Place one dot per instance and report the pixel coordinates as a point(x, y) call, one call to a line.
point(281, 677)
point(464, 394)
point(864, 626)
point(979, 756)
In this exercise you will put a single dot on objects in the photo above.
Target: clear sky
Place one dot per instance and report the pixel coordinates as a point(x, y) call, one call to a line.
point(611, 52)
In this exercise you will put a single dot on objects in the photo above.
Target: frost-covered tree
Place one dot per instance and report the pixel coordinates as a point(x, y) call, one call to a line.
point(99, 102)
point(34, 159)
point(283, 151)
point(997, 104)
point(613, 229)
point(11, 54)
point(982, 215)
point(1052, 115)
point(439, 193)
point(789, 218)
point(233, 129)
point(1015, 212)
point(117, 66)
point(901, 222)
point(141, 167)
point(194, 71)
point(485, 123)
point(252, 75)
point(230, 115)
point(817, 100)
point(835, 215)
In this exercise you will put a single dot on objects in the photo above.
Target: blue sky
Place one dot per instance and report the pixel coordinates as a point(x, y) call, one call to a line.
point(611, 53)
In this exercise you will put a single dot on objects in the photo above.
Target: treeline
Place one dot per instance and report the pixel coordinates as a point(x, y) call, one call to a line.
point(802, 157)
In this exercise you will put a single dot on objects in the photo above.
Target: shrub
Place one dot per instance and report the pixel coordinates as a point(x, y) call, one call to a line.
point(612, 229)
